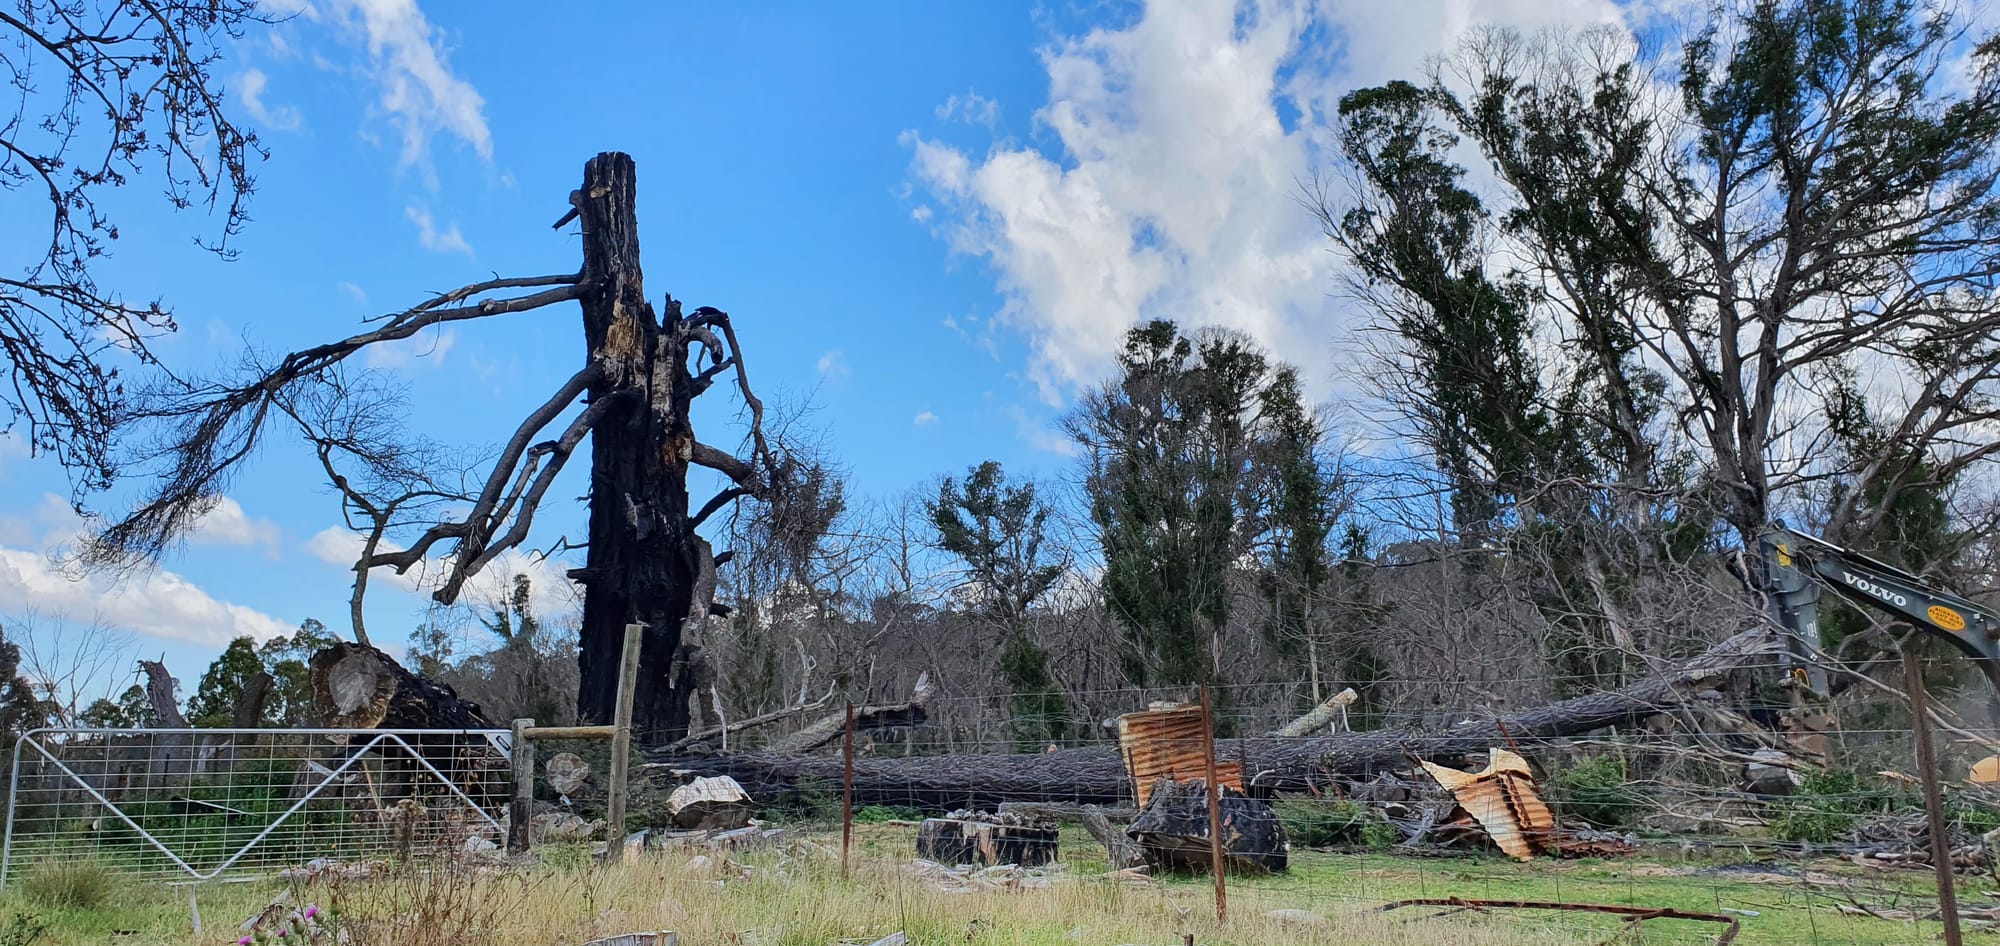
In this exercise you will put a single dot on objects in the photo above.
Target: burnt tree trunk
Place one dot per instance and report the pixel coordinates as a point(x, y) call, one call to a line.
point(646, 564)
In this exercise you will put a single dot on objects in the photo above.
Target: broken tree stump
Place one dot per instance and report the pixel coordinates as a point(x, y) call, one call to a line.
point(968, 837)
point(1172, 830)
point(707, 804)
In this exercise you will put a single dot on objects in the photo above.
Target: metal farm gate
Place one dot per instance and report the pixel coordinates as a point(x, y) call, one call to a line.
point(201, 803)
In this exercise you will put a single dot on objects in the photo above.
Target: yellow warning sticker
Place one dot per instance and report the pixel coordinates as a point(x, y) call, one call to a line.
point(1946, 618)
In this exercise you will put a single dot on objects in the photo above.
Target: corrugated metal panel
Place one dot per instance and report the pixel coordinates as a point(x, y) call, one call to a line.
point(1503, 798)
point(1167, 743)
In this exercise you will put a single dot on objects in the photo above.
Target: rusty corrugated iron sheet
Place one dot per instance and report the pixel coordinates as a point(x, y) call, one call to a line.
point(1503, 798)
point(1167, 743)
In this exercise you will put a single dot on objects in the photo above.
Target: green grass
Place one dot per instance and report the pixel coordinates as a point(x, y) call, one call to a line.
point(798, 897)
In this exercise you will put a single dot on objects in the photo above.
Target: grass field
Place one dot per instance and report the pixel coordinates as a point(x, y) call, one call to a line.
point(797, 895)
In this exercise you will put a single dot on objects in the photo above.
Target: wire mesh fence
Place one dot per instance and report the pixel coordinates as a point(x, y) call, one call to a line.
point(1705, 803)
point(199, 804)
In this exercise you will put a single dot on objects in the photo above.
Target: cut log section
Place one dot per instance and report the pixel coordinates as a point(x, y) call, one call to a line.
point(1097, 775)
point(356, 686)
point(566, 772)
point(707, 804)
point(1173, 831)
point(966, 837)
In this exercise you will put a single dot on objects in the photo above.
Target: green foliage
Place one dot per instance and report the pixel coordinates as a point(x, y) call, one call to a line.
point(69, 884)
point(1597, 791)
point(287, 660)
point(222, 686)
point(1339, 823)
point(23, 929)
point(1172, 450)
point(999, 531)
point(877, 814)
point(1976, 815)
point(1828, 804)
point(131, 711)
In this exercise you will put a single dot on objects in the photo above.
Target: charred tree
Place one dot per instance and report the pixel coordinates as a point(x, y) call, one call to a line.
point(641, 374)
point(646, 562)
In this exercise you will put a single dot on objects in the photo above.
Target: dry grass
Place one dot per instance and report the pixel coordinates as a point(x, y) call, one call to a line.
point(799, 897)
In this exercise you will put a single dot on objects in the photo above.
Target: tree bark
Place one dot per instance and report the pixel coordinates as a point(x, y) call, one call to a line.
point(250, 708)
point(1096, 775)
point(644, 560)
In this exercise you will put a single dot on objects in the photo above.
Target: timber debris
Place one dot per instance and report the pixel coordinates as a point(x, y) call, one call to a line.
point(973, 837)
point(1633, 915)
point(1172, 830)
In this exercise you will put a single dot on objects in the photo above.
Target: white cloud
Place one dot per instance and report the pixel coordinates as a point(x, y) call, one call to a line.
point(970, 108)
point(419, 92)
point(925, 419)
point(358, 294)
point(158, 603)
point(250, 87)
point(833, 365)
point(1171, 187)
point(448, 240)
point(1041, 434)
point(228, 524)
point(403, 353)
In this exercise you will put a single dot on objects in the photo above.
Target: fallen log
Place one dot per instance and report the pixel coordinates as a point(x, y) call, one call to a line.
point(355, 686)
point(1096, 775)
point(1321, 716)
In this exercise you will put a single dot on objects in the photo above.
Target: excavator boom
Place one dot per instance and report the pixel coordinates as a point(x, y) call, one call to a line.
point(1796, 566)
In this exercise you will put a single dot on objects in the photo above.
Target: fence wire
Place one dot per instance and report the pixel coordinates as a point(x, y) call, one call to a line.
point(199, 804)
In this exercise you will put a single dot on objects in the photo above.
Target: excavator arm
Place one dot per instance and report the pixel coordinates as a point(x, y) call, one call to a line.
point(1796, 567)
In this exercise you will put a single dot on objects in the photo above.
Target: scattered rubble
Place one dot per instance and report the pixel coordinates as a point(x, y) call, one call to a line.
point(971, 879)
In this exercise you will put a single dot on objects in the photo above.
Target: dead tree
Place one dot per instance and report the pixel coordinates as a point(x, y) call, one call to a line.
point(1097, 775)
point(641, 373)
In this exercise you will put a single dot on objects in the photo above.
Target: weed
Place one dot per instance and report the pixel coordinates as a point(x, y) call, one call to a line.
point(69, 885)
point(1598, 792)
point(1342, 823)
point(1827, 805)
point(443, 905)
point(23, 929)
point(877, 814)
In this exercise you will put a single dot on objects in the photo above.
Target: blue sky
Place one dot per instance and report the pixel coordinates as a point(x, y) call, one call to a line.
point(935, 220)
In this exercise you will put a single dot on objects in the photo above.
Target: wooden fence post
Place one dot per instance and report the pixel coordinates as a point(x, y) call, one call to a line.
point(847, 791)
point(1947, 883)
point(522, 809)
point(1216, 859)
point(621, 742)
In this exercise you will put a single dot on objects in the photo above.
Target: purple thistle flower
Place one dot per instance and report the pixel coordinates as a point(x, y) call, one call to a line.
point(312, 911)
